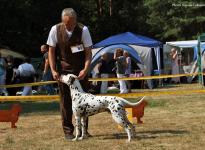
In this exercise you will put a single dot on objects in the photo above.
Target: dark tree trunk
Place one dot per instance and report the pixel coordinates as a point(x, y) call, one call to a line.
point(110, 7)
point(99, 7)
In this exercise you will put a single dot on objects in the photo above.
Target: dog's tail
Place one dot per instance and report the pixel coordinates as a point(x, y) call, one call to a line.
point(127, 103)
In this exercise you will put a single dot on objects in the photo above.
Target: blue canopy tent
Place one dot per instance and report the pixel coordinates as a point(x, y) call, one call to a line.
point(111, 49)
point(128, 38)
point(139, 47)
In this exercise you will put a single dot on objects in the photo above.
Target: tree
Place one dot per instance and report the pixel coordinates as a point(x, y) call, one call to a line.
point(25, 24)
point(174, 20)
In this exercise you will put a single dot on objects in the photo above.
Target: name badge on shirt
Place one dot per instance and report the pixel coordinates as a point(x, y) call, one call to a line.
point(77, 48)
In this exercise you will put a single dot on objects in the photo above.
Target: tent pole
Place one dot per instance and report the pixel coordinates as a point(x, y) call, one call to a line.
point(200, 39)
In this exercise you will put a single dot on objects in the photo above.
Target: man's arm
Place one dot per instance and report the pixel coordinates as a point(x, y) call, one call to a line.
point(88, 56)
point(46, 66)
point(3, 64)
point(52, 62)
point(127, 61)
point(175, 55)
point(87, 43)
point(99, 65)
point(115, 56)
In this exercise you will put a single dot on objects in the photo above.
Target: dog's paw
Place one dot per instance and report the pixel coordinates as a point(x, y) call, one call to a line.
point(81, 138)
point(75, 139)
point(128, 141)
point(133, 135)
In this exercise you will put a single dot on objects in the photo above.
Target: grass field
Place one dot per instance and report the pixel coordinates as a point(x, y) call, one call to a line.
point(170, 123)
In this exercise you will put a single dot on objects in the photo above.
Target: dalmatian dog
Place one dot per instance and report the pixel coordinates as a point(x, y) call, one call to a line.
point(86, 104)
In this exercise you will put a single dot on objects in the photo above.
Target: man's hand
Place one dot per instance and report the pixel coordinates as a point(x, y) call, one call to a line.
point(82, 74)
point(55, 75)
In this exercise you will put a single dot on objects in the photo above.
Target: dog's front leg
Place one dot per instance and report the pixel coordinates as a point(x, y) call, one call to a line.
point(83, 128)
point(77, 127)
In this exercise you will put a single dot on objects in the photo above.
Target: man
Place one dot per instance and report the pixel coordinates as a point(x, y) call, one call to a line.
point(120, 69)
point(3, 66)
point(26, 72)
point(47, 76)
point(10, 75)
point(175, 65)
point(128, 69)
point(103, 67)
point(74, 43)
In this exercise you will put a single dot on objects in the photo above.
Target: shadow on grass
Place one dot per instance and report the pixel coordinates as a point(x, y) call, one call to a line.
point(3, 130)
point(146, 134)
point(33, 107)
point(168, 86)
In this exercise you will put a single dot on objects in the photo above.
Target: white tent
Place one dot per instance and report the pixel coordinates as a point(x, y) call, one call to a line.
point(187, 51)
point(7, 52)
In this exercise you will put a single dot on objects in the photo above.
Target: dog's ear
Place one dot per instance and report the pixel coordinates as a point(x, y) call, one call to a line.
point(72, 79)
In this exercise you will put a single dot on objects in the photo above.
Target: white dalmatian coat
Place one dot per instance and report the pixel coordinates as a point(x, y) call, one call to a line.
point(86, 104)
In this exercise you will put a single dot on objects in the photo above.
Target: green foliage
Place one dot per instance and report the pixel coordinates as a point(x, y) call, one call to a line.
point(25, 24)
point(175, 20)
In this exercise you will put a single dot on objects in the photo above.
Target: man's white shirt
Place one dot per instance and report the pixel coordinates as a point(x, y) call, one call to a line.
point(86, 38)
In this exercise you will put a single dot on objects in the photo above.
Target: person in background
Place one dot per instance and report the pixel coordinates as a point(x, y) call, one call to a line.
point(26, 73)
point(175, 65)
point(128, 69)
point(47, 75)
point(74, 42)
point(103, 67)
point(120, 69)
point(10, 75)
point(3, 66)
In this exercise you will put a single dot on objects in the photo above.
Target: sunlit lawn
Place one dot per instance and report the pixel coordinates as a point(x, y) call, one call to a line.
point(170, 122)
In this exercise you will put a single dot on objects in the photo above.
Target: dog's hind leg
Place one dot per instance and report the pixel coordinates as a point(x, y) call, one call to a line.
point(130, 126)
point(128, 134)
point(121, 119)
point(77, 128)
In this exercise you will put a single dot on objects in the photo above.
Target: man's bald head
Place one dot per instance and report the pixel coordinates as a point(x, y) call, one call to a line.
point(44, 48)
point(69, 18)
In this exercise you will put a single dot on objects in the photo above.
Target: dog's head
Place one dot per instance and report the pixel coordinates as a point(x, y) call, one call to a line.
point(68, 79)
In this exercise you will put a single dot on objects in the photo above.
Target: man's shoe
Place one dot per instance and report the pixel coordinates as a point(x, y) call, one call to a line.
point(88, 135)
point(69, 137)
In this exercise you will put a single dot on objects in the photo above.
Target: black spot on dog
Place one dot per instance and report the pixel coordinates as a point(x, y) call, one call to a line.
point(120, 105)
